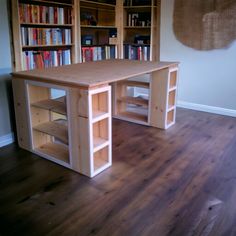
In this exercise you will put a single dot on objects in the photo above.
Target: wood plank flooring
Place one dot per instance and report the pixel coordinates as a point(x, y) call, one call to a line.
point(176, 182)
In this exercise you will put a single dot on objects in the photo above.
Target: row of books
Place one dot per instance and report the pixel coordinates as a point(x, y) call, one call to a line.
point(42, 36)
point(141, 53)
point(44, 14)
point(95, 53)
point(139, 19)
point(45, 59)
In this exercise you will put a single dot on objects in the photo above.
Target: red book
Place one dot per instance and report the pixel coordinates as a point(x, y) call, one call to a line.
point(55, 15)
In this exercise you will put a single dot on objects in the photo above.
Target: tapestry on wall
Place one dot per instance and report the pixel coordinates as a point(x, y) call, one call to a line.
point(205, 24)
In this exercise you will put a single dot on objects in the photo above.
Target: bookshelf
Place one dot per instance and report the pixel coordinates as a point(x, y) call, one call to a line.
point(141, 23)
point(98, 30)
point(44, 33)
point(53, 33)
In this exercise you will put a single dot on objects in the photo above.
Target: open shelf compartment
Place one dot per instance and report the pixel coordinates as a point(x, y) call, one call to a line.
point(100, 134)
point(100, 105)
point(173, 79)
point(57, 105)
point(132, 99)
point(101, 160)
point(170, 118)
point(48, 116)
point(171, 99)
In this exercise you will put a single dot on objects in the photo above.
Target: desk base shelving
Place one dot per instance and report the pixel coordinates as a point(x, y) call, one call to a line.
point(74, 129)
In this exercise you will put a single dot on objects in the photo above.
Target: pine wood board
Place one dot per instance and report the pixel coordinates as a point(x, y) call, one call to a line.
point(134, 100)
point(55, 129)
point(55, 150)
point(133, 116)
point(92, 74)
point(55, 105)
point(139, 84)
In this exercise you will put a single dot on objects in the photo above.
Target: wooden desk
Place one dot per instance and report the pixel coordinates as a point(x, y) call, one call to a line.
point(75, 130)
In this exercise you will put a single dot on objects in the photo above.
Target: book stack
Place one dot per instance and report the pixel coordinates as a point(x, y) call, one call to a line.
point(96, 53)
point(45, 59)
point(135, 52)
point(44, 14)
point(45, 36)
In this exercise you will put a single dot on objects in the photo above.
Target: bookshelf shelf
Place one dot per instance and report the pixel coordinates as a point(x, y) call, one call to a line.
point(134, 100)
point(101, 4)
point(55, 150)
point(54, 105)
point(54, 129)
point(43, 25)
point(101, 27)
point(138, 27)
point(25, 48)
point(46, 3)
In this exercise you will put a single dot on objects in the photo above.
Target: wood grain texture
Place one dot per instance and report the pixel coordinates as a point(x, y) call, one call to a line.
point(93, 74)
point(179, 181)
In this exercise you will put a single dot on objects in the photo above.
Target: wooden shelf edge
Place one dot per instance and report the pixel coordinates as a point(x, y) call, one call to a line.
point(99, 143)
point(172, 88)
point(99, 115)
point(171, 108)
point(54, 105)
point(98, 26)
point(45, 25)
point(98, 170)
point(46, 46)
point(134, 100)
point(132, 83)
point(57, 152)
point(42, 2)
point(97, 3)
point(132, 117)
point(54, 129)
point(137, 27)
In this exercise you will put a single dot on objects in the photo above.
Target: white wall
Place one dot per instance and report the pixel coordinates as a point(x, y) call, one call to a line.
point(206, 77)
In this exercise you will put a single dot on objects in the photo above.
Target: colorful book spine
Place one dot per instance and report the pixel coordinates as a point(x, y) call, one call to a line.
point(97, 53)
point(43, 14)
point(137, 52)
point(45, 59)
point(45, 36)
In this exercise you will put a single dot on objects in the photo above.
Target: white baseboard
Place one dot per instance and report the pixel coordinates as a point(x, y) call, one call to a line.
point(205, 108)
point(6, 139)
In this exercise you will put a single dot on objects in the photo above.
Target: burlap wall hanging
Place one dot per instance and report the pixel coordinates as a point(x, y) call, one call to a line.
point(205, 24)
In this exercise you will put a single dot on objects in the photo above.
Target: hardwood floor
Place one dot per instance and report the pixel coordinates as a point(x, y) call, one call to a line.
point(176, 182)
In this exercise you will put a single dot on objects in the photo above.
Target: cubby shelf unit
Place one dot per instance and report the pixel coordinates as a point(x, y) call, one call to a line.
point(100, 129)
point(153, 104)
point(49, 123)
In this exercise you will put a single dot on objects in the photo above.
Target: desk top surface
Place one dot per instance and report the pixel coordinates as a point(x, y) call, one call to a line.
point(92, 74)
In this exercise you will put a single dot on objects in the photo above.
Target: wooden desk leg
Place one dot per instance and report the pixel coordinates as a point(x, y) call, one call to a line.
point(21, 113)
point(163, 97)
point(94, 130)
